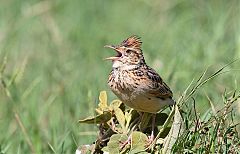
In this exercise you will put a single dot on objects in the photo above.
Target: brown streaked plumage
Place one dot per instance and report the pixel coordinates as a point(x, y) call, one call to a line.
point(134, 82)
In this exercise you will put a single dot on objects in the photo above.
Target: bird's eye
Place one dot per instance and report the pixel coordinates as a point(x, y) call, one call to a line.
point(128, 51)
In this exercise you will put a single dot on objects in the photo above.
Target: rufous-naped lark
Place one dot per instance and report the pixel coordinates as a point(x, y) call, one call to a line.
point(134, 82)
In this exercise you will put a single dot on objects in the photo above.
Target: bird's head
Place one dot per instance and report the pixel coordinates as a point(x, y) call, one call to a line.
point(129, 53)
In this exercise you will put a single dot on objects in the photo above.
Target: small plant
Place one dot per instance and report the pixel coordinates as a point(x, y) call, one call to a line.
point(116, 124)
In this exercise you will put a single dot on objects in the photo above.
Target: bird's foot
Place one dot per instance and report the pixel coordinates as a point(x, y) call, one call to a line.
point(123, 144)
point(150, 139)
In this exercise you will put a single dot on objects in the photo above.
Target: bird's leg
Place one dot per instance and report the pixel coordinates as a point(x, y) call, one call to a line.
point(151, 138)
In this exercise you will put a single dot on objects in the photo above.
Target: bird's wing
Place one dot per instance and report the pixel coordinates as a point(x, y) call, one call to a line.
point(155, 86)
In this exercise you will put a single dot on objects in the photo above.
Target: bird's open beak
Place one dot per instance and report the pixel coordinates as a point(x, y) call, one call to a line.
point(119, 53)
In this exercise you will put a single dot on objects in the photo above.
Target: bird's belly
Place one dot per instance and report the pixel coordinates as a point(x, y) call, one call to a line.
point(145, 104)
point(140, 102)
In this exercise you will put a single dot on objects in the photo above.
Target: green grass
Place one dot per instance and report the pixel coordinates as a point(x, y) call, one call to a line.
point(54, 60)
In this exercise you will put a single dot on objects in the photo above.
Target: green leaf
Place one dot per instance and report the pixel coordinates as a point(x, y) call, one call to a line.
point(113, 145)
point(103, 100)
point(120, 117)
point(105, 149)
point(115, 103)
point(139, 141)
point(102, 118)
point(128, 117)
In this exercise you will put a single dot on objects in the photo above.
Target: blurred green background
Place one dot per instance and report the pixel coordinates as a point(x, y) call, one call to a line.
point(54, 69)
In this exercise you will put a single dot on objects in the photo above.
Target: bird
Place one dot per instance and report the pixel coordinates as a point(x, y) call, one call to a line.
point(134, 82)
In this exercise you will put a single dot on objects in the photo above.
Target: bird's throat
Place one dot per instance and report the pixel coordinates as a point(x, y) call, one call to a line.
point(121, 66)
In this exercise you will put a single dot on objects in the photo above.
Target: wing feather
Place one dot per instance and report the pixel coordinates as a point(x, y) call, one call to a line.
point(157, 87)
